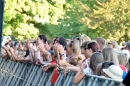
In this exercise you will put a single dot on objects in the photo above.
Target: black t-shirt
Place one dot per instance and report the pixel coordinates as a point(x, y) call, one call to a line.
point(126, 81)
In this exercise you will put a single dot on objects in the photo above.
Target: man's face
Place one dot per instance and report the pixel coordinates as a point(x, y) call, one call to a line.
point(110, 45)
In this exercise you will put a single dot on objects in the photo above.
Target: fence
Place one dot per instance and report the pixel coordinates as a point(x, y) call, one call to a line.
point(26, 74)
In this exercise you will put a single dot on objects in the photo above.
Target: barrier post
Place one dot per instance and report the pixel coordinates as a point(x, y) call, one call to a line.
point(1, 19)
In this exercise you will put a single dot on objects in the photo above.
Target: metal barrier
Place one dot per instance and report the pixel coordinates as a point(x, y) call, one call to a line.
point(26, 74)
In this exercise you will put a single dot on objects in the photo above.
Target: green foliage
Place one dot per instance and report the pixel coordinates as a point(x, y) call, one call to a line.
point(105, 18)
point(108, 19)
point(27, 18)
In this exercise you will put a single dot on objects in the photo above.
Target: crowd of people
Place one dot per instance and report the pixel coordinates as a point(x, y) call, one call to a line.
point(81, 54)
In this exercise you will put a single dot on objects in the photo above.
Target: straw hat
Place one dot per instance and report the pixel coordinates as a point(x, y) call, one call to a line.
point(115, 72)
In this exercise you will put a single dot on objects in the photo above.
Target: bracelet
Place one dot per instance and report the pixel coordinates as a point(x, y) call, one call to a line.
point(61, 55)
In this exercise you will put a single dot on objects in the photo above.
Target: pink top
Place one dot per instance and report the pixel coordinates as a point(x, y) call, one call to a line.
point(123, 68)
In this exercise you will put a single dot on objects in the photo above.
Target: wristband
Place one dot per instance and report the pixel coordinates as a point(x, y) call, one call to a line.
point(61, 55)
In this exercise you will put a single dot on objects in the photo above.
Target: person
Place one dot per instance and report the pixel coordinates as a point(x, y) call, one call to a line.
point(127, 46)
point(114, 44)
point(111, 72)
point(5, 47)
point(88, 68)
point(69, 50)
point(59, 47)
point(77, 52)
point(41, 54)
point(123, 61)
point(20, 54)
point(87, 53)
point(110, 55)
point(126, 81)
point(85, 37)
point(103, 65)
point(102, 43)
point(95, 60)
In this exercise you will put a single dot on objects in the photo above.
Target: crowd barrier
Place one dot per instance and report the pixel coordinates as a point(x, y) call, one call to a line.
point(26, 74)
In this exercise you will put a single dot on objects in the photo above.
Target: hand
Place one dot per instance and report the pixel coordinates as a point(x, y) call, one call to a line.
point(41, 47)
point(4, 47)
point(65, 71)
point(30, 45)
point(46, 67)
point(55, 48)
point(61, 49)
point(35, 48)
point(11, 49)
point(38, 63)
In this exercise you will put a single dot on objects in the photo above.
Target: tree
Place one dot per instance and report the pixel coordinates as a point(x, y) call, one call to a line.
point(28, 18)
point(108, 19)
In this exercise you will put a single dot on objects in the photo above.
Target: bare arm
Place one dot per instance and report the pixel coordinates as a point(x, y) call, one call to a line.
point(14, 56)
point(73, 68)
point(47, 55)
point(78, 77)
point(9, 53)
point(122, 84)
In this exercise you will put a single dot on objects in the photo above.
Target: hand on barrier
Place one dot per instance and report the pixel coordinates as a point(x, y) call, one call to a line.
point(57, 65)
point(65, 70)
point(38, 63)
point(46, 67)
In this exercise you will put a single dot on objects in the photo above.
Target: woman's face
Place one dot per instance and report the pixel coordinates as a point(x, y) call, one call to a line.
point(74, 44)
point(39, 41)
point(82, 50)
point(68, 49)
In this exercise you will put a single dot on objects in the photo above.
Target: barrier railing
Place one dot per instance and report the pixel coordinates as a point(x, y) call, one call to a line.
point(26, 74)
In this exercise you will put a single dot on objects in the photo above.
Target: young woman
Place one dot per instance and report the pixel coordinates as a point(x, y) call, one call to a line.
point(41, 53)
point(110, 55)
point(87, 67)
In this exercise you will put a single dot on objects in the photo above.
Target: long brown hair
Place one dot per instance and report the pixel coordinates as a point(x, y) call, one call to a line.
point(96, 59)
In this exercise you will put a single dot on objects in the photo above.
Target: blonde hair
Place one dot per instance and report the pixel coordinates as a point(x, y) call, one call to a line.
point(85, 37)
point(115, 45)
point(101, 42)
point(77, 43)
point(122, 58)
point(110, 55)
